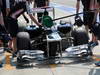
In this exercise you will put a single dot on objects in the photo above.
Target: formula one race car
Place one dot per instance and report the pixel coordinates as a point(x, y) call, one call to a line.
point(40, 39)
point(48, 40)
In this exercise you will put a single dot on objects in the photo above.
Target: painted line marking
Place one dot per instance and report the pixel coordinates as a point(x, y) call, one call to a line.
point(53, 66)
point(96, 57)
point(7, 64)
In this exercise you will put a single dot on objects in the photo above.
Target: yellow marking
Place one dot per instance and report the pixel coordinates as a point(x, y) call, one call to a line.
point(8, 65)
point(96, 58)
point(53, 66)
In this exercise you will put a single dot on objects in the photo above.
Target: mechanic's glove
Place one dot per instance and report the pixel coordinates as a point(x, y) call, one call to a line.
point(76, 16)
point(40, 26)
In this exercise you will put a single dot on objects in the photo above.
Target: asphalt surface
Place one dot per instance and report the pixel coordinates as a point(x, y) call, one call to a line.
point(66, 2)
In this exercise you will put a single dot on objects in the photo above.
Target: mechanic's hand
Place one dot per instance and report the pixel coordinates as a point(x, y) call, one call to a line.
point(27, 20)
point(7, 11)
